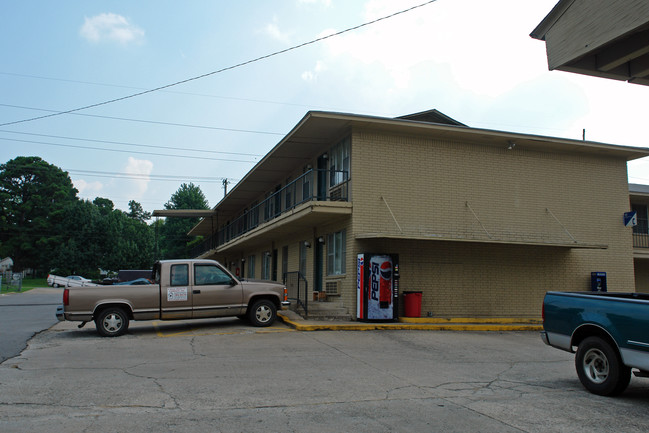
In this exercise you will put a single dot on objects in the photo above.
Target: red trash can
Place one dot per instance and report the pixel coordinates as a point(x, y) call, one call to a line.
point(412, 304)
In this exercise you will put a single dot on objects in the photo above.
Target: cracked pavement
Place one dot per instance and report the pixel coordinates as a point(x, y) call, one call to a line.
point(223, 375)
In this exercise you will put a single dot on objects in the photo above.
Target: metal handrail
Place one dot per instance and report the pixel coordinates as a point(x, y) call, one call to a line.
point(298, 191)
point(294, 281)
point(640, 240)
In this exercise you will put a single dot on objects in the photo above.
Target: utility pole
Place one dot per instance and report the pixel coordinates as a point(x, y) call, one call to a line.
point(225, 186)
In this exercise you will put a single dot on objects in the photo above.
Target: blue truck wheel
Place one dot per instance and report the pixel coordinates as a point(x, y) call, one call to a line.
point(600, 368)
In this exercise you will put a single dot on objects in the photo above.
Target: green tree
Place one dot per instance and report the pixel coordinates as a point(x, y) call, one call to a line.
point(34, 196)
point(137, 212)
point(173, 237)
point(105, 206)
point(99, 236)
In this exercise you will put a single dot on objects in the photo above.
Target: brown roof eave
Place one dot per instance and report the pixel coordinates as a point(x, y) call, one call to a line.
point(317, 128)
point(550, 19)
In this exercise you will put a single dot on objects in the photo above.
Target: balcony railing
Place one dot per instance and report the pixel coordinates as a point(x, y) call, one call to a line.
point(640, 240)
point(312, 185)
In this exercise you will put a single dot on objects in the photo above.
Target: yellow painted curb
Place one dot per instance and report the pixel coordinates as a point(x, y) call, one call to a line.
point(447, 325)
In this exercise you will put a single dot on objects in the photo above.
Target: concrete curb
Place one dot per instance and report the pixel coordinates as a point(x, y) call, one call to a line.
point(419, 324)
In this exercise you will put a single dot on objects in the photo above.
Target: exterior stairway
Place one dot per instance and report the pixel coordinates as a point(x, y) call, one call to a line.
point(330, 309)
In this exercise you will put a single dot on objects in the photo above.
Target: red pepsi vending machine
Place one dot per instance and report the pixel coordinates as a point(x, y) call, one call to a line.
point(377, 287)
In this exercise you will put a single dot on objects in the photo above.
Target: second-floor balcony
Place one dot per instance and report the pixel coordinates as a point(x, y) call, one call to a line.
point(305, 201)
point(640, 240)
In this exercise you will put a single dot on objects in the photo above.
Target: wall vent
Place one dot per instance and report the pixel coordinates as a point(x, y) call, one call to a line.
point(332, 287)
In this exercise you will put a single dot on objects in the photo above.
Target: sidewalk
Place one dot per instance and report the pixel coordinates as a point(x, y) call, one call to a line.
point(421, 324)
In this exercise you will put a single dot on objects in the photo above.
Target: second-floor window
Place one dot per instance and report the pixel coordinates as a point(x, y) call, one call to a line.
point(253, 215)
point(643, 222)
point(339, 162)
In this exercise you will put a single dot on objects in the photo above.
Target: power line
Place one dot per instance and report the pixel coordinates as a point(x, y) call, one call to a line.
point(131, 144)
point(125, 175)
point(126, 119)
point(205, 95)
point(140, 176)
point(218, 71)
point(128, 151)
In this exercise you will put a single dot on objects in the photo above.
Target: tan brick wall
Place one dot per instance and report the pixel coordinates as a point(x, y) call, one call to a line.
point(427, 184)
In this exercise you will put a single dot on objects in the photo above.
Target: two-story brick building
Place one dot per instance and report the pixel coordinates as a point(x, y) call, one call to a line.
point(483, 221)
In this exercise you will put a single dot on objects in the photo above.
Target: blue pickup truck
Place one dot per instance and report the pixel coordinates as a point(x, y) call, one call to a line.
point(610, 332)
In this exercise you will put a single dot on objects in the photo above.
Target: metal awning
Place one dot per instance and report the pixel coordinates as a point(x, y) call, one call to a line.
point(447, 238)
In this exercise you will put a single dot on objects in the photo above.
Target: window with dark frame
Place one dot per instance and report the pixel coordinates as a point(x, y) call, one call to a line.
point(336, 252)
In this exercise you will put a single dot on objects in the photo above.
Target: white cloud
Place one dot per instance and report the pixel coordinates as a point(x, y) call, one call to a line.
point(272, 30)
point(312, 75)
point(88, 189)
point(112, 27)
point(141, 169)
point(486, 56)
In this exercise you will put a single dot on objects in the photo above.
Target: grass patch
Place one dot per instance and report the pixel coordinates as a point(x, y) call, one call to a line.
point(28, 284)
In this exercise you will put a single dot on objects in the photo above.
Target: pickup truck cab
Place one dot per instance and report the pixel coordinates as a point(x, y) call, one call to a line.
point(610, 332)
point(182, 289)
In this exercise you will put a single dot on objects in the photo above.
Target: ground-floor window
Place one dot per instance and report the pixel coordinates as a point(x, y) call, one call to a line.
point(265, 266)
point(251, 266)
point(336, 252)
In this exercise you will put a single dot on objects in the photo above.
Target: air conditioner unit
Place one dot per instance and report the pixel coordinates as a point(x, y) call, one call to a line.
point(332, 287)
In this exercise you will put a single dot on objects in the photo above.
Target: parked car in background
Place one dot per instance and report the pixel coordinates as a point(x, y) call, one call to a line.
point(69, 281)
point(136, 282)
point(76, 280)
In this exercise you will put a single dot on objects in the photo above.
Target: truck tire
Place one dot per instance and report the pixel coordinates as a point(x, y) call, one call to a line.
point(55, 285)
point(263, 313)
point(112, 322)
point(600, 368)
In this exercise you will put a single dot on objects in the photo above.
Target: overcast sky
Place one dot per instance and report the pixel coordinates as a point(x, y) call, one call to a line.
point(470, 59)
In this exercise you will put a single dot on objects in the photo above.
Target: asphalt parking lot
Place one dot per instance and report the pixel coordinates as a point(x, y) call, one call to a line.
point(222, 375)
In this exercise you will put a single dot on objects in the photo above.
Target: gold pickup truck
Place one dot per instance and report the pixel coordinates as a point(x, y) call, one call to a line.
point(180, 289)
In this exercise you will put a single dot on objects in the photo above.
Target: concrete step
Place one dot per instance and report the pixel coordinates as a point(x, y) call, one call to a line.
point(319, 310)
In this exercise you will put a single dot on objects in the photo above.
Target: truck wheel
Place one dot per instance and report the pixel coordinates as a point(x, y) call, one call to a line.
point(112, 322)
point(55, 285)
point(263, 313)
point(600, 369)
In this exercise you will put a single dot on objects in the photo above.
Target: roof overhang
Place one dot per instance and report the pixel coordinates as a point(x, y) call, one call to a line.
point(318, 130)
point(185, 213)
point(638, 190)
point(303, 217)
point(604, 39)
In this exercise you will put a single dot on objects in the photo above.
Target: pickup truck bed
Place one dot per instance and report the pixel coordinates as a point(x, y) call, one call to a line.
point(610, 332)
